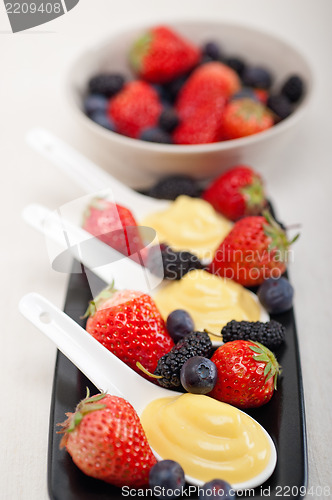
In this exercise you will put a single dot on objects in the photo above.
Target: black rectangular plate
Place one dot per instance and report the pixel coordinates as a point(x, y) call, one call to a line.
point(283, 418)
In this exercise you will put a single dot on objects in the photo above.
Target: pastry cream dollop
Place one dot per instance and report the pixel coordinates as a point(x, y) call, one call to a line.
point(208, 438)
point(190, 224)
point(210, 300)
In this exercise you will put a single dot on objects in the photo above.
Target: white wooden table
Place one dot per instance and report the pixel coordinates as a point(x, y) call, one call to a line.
point(299, 180)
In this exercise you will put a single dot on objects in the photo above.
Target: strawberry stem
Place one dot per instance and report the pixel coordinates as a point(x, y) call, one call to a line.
point(144, 370)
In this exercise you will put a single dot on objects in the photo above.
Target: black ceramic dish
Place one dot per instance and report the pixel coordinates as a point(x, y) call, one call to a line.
point(283, 418)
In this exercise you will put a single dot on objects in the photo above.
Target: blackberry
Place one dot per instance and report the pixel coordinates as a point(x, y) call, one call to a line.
point(156, 134)
point(237, 64)
point(168, 119)
point(162, 93)
point(174, 87)
point(169, 264)
point(177, 264)
point(270, 334)
point(293, 88)
point(169, 365)
point(169, 188)
point(280, 105)
point(106, 84)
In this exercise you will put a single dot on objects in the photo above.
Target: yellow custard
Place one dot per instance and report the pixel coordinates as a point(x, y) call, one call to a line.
point(190, 224)
point(210, 300)
point(208, 438)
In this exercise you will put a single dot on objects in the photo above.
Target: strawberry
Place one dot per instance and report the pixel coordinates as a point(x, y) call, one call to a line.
point(255, 249)
point(129, 325)
point(161, 55)
point(237, 192)
point(113, 224)
point(262, 95)
point(134, 108)
point(246, 374)
point(244, 117)
point(105, 439)
point(202, 127)
point(212, 83)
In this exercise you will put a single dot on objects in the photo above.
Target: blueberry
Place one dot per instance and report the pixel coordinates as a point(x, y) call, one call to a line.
point(179, 324)
point(107, 84)
point(212, 50)
point(168, 119)
point(156, 134)
point(245, 93)
point(255, 76)
point(198, 375)
point(280, 105)
point(94, 103)
point(102, 119)
point(276, 295)
point(217, 489)
point(168, 475)
point(237, 64)
point(293, 88)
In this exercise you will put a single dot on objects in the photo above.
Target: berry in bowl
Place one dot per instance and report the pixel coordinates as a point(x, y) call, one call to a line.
point(190, 97)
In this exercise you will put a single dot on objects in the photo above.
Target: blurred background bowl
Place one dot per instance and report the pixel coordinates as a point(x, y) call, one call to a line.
point(203, 160)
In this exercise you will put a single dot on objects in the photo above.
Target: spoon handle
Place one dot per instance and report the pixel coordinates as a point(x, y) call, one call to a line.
point(107, 372)
point(90, 177)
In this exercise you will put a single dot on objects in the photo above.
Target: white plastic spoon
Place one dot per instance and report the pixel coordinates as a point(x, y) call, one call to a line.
point(104, 261)
point(107, 372)
point(88, 175)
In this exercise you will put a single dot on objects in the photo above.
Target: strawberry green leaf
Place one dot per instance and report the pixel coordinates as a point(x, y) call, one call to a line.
point(95, 398)
point(261, 357)
point(267, 368)
point(256, 349)
point(75, 421)
point(254, 196)
point(98, 301)
point(278, 236)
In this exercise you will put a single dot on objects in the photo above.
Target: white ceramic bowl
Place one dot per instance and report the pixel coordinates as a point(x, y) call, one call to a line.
point(202, 160)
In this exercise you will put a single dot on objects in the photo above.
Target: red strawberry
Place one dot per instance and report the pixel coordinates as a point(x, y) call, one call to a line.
point(134, 108)
point(161, 55)
point(105, 439)
point(244, 117)
point(254, 250)
point(247, 374)
point(129, 325)
point(210, 83)
point(237, 192)
point(203, 126)
point(114, 225)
